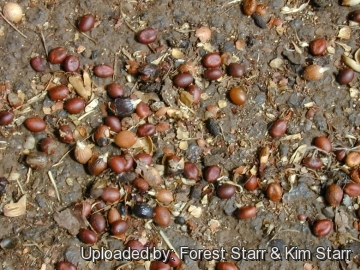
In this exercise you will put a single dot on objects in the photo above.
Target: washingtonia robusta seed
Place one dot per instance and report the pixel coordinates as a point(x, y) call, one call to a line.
point(258, 20)
point(124, 106)
point(143, 210)
point(213, 127)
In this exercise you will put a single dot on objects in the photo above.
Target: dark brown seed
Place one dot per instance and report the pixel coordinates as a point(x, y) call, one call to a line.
point(123, 106)
point(340, 155)
point(195, 91)
point(225, 191)
point(302, 217)
point(226, 266)
point(98, 222)
point(113, 123)
point(84, 208)
point(238, 96)
point(252, 183)
point(323, 143)
point(334, 194)
point(135, 245)
point(48, 145)
point(103, 71)
point(278, 128)
point(119, 227)
point(259, 21)
point(115, 90)
point(86, 23)
point(158, 265)
point(38, 63)
point(87, 236)
point(35, 124)
point(146, 36)
point(191, 171)
point(235, 70)
point(146, 129)
point(141, 184)
point(274, 192)
point(65, 266)
point(211, 60)
point(66, 134)
point(246, 212)
point(355, 16)
point(125, 139)
point(174, 260)
point(6, 117)
point(129, 161)
point(314, 163)
point(352, 189)
point(71, 63)
point(212, 173)
point(322, 227)
point(57, 55)
point(162, 216)
point(345, 76)
point(212, 74)
point(143, 110)
point(74, 105)
point(318, 46)
point(59, 92)
point(37, 160)
point(110, 195)
point(144, 157)
point(117, 164)
point(143, 210)
point(183, 80)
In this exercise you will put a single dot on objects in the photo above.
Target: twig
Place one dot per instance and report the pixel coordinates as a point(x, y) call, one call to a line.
point(44, 42)
point(167, 241)
point(54, 184)
point(13, 26)
point(84, 115)
point(28, 175)
point(61, 159)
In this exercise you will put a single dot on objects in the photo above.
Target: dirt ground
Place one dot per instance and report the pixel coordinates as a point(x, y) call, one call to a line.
point(41, 236)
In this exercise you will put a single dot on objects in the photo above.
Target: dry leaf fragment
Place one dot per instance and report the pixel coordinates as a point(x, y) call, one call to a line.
point(346, 47)
point(186, 98)
point(177, 53)
point(351, 63)
point(15, 209)
point(79, 87)
point(345, 33)
point(298, 154)
point(203, 33)
point(288, 10)
point(92, 105)
point(213, 225)
point(195, 211)
point(276, 63)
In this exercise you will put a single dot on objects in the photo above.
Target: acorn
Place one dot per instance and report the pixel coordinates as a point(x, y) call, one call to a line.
point(314, 72)
point(97, 164)
point(123, 106)
point(102, 135)
point(82, 152)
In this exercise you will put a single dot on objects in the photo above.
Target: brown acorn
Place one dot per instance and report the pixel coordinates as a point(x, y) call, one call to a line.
point(82, 152)
point(97, 164)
